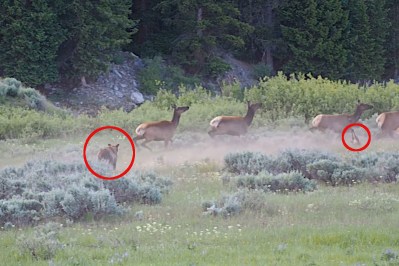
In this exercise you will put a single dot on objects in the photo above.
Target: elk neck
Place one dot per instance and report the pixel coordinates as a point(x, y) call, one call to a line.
point(175, 118)
point(356, 116)
point(249, 116)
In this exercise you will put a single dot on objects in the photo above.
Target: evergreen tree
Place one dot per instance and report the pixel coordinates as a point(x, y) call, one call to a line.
point(29, 39)
point(96, 29)
point(368, 35)
point(379, 25)
point(392, 44)
point(263, 43)
point(315, 32)
point(201, 27)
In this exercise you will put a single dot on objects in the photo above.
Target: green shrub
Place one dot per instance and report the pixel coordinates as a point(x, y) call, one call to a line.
point(247, 163)
point(216, 67)
point(233, 204)
point(336, 173)
point(298, 159)
point(261, 70)
point(316, 165)
point(307, 96)
point(157, 75)
point(47, 189)
point(43, 244)
point(281, 183)
point(9, 87)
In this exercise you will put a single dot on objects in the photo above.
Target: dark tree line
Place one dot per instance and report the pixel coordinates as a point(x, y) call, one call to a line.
point(41, 40)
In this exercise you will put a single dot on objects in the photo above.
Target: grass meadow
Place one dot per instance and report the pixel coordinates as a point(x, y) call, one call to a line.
point(345, 225)
point(201, 202)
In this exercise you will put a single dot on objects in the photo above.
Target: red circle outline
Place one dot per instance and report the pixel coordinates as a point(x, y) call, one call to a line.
point(131, 143)
point(352, 125)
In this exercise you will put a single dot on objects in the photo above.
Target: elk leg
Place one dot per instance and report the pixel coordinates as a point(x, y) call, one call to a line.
point(145, 146)
point(355, 139)
point(212, 133)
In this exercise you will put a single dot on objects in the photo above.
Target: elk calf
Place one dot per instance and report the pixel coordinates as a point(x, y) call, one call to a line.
point(337, 123)
point(109, 154)
point(161, 130)
point(388, 122)
point(233, 125)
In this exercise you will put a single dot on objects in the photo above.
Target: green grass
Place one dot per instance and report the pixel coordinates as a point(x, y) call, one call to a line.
point(325, 227)
point(330, 226)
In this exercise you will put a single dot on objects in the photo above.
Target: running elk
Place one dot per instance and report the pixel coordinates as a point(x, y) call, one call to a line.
point(109, 154)
point(388, 122)
point(337, 123)
point(233, 125)
point(161, 130)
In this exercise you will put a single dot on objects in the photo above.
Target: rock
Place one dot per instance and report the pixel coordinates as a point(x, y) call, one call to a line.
point(116, 88)
point(117, 72)
point(123, 85)
point(137, 97)
point(128, 108)
point(139, 215)
point(119, 94)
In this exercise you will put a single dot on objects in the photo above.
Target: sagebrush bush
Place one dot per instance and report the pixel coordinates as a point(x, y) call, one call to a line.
point(281, 183)
point(237, 202)
point(46, 189)
point(318, 165)
point(247, 163)
point(43, 243)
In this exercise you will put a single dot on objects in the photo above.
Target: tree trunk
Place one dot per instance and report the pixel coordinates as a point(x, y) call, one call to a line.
point(269, 47)
point(199, 20)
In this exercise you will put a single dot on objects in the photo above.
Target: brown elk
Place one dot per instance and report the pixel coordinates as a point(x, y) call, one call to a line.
point(109, 154)
point(233, 125)
point(337, 123)
point(161, 130)
point(388, 122)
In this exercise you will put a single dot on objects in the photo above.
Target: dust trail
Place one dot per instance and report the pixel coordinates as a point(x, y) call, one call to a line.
point(216, 149)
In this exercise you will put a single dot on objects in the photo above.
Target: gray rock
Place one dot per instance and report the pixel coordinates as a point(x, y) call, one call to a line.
point(117, 72)
point(116, 88)
point(137, 97)
point(119, 94)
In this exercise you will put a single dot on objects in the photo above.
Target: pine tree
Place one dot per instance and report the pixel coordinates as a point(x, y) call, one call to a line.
point(315, 32)
point(262, 44)
point(368, 35)
point(201, 27)
point(29, 39)
point(95, 29)
point(392, 44)
point(379, 25)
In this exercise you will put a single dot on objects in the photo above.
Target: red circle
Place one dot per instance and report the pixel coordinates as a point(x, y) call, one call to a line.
point(131, 143)
point(362, 126)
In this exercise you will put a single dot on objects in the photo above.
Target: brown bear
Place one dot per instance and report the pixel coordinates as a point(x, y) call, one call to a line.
point(109, 154)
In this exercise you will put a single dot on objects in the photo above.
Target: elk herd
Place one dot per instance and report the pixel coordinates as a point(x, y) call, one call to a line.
point(387, 122)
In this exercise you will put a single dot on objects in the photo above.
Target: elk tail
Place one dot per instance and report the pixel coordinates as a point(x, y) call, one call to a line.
point(380, 120)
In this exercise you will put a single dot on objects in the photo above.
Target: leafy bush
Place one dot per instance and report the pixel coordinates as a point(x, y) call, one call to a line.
point(297, 160)
point(307, 96)
point(46, 189)
point(281, 183)
point(317, 165)
point(43, 244)
point(216, 67)
point(10, 87)
point(233, 204)
point(261, 70)
point(247, 162)
point(157, 75)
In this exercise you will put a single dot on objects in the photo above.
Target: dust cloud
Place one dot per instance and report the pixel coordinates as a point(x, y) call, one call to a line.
point(205, 148)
